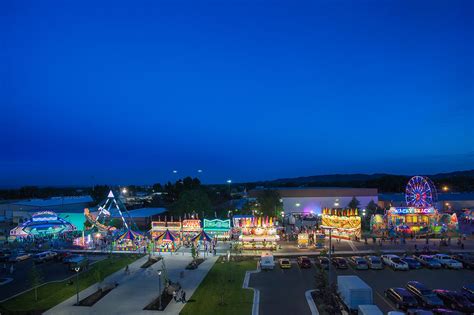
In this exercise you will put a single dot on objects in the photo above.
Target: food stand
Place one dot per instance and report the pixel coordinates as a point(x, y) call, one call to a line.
point(218, 229)
point(258, 233)
point(129, 241)
point(412, 220)
point(345, 223)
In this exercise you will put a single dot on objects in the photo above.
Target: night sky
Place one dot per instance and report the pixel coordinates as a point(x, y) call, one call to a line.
point(106, 92)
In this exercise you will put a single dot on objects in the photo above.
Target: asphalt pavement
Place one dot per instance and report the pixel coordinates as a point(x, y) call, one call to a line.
point(50, 271)
point(282, 290)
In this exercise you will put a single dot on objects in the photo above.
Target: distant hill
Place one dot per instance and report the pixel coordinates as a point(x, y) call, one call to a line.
point(456, 181)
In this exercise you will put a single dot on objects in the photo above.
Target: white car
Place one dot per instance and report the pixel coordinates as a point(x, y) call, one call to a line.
point(395, 262)
point(447, 262)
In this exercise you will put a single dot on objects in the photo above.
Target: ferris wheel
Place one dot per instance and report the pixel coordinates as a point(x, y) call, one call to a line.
point(420, 192)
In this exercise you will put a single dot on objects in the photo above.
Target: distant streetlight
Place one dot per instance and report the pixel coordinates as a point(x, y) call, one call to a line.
point(199, 171)
point(445, 188)
point(175, 172)
point(229, 181)
point(297, 204)
point(124, 191)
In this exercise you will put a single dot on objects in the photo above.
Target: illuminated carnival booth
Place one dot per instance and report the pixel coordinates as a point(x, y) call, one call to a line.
point(218, 229)
point(419, 216)
point(166, 242)
point(303, 240)
point(257, 232)
point(159, 227)
point(345, 223)
point(43, 223)
point(189, 229)
point(319, 240)
point(129, 241)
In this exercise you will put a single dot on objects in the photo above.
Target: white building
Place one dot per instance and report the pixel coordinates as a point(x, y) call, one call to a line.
point(311, 200)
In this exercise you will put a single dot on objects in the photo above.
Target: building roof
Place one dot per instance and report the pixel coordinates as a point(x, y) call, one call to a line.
point(144, 212)
point(53, 201)
point(287, 192)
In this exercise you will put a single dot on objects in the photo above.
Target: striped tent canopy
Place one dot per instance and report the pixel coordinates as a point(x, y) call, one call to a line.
point(167, 236)
point(129, 235)
point(201, 237)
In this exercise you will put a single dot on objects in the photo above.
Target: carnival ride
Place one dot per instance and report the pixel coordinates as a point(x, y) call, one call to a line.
point(110, 208)
point(420, 192)
point(43, 223)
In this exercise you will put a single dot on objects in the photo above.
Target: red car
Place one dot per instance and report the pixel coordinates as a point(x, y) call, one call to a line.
point(304, 262)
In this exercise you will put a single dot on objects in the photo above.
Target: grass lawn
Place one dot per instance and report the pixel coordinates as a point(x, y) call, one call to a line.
point(223, 282)
point(52, 294)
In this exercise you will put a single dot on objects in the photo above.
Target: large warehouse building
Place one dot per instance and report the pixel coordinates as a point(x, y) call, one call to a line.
point(311, 200)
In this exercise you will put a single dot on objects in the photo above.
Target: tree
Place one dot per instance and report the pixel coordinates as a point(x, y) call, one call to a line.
point(193, 251)
point(270, 203)
point(157, 187)
point(192, 201)
point(99, 192)
point(325, 293)
point(354, 204)
point(36, 279)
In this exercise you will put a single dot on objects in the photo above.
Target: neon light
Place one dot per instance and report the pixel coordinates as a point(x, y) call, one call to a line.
point(217, 224)
point(412, 210)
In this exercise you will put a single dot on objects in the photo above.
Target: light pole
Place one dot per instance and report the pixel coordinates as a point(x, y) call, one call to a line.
point(229, 181)
point(330, 228)
point(159, 289)
point(77, 269)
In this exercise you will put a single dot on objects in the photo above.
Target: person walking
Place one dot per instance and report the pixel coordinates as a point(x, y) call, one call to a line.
point(174, 296)
point(12, 269)
point(183, 297)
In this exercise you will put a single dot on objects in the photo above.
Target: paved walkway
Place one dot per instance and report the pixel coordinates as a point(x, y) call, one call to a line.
point(140, 287)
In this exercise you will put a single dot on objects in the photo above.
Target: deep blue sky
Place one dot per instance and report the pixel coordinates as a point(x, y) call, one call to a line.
point(97, 92)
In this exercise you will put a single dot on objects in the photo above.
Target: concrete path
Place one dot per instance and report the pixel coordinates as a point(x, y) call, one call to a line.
point(140, 287)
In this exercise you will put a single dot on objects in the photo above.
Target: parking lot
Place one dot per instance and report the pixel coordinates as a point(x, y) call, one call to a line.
point(282, 291)
point(50, 271)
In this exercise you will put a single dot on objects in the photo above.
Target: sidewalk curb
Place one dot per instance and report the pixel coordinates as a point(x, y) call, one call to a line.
point(311, 304)
point(256, 294)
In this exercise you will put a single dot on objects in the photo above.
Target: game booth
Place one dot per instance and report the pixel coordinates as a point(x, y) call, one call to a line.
point(257, 233)
point(169, 241)
point(189, 229)
point(345, 223)
point(166, 242)
point(129, 241)
point(43, 223)
point(218, 229)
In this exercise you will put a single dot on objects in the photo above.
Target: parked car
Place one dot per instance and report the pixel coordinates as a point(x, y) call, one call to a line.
point(468, 291)
point(374, 262)
point(68, 259)
point(455, 300)
point(5, 254)
point(402, 298)
point(60, 256)
point(304, 262)
point(266, 261)
point(447, 262)
point(429, 261)
point(81, 262)
point(467, 260)
point(43, 257)
point(18, 256)
point(324, 262)
point(425, 296)
point(339, 262)
point(412, 262)
point(285, 263)
point(395, 262)
point(358, 263)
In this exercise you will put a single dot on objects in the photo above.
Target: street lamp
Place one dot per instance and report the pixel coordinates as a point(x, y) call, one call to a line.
point(159, 289)
point(445, 188)
point(229, 181)
point(77, 269)
point(124, 191)
point(330, 228)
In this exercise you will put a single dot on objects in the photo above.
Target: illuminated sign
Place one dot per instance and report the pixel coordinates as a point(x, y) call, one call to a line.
point(44, 216)
point(192, 224)
point(217, 224)
point(412, 210)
